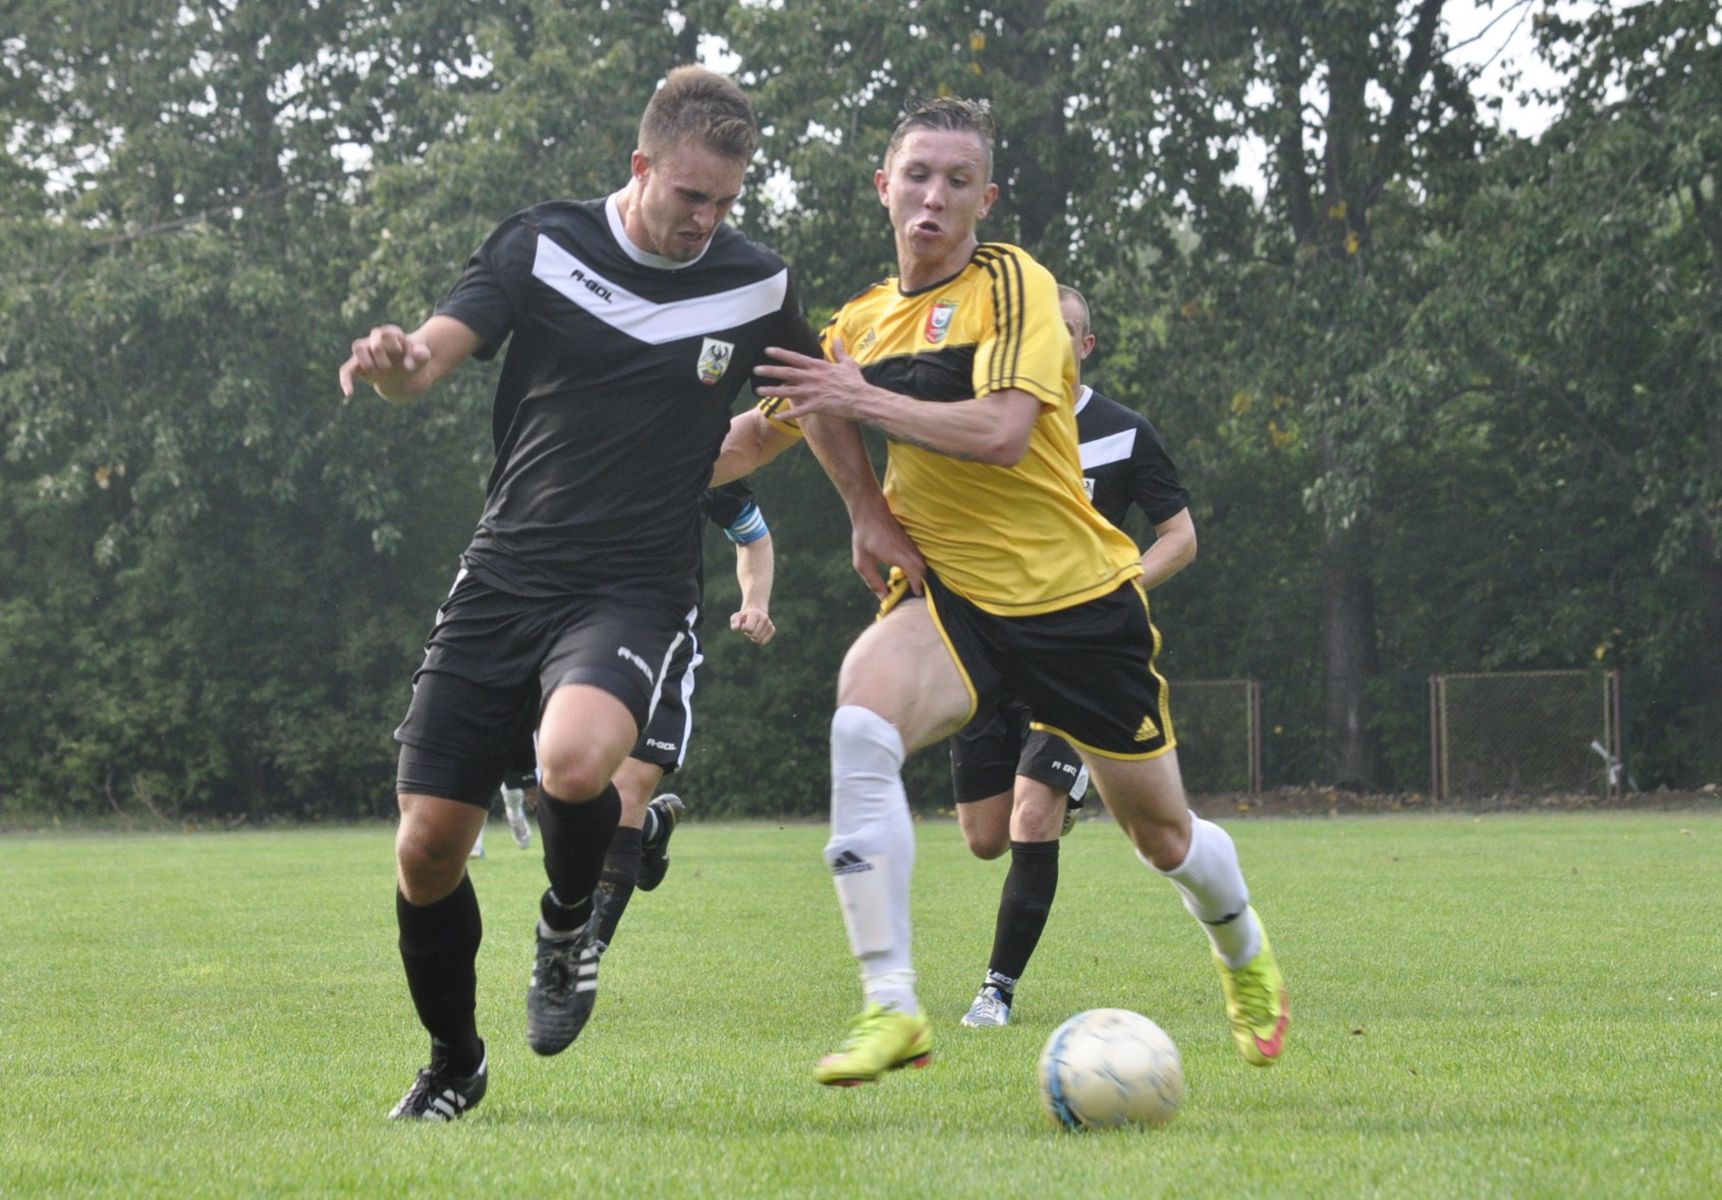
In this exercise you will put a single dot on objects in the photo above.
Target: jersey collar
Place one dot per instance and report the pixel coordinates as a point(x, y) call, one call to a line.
point(1082, 396)
point(613, 210)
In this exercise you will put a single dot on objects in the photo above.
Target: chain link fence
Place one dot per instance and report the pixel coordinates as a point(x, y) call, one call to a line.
point(1470, 734)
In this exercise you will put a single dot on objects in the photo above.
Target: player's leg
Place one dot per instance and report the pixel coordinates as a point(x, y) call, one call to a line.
point(1199, 859)
point(660, 751)
point(583, 736)
point(635, 781)
point(474, 696)
point(1091, 677)
point(440, 927)
point(1025, 900)
point(514, 789)
point(477, 850)
point(601, 676)
point(899, 690)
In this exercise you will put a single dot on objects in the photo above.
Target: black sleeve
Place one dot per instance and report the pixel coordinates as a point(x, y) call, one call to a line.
point(724, 504)
point(1154, 482)
point(797, 334)
point(486, 297)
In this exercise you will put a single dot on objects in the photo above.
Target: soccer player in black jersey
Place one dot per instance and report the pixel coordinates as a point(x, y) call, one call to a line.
point(632, 323)
point(1016, 786)
point(1019, 586)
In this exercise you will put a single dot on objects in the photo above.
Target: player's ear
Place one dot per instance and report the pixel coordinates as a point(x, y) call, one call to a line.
point(880, 182)
point(640, 165)
point(989, 198)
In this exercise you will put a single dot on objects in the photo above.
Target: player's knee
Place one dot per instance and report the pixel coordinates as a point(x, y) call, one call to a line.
point(572, 774)
point(862, 740)
point(429, 864)
point(986, 844)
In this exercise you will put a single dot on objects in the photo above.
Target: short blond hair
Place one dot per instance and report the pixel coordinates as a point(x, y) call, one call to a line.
point(700, 104)
point(1065, 292)
point(947, 113)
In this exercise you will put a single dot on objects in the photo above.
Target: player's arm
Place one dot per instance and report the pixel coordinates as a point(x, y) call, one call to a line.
point(755, 567)
point(400, 365)
point(993, 429)
point(877, 536)
point(752, 441)
point(1174, 549)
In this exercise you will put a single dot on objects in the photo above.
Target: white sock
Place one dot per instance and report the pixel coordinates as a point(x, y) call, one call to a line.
point(872, 852)
point(1213, 887)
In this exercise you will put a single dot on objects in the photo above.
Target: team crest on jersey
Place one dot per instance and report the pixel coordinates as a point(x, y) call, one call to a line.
point(714, 360)
point(939, 320)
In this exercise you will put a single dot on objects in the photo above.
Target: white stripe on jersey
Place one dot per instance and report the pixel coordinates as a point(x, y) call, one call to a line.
point(1114, 447)
point(649, 322)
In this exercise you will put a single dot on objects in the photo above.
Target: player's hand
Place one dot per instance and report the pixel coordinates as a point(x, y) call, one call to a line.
point(755, 624)
point(812, 385)
point(384, 357)
point(880, 538)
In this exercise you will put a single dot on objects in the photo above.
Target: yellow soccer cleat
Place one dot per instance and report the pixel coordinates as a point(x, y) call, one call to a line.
point(880, 1039)
point(1257, 1004)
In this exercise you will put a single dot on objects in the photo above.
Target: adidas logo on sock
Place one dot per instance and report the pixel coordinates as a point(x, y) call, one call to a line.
point(850, 863)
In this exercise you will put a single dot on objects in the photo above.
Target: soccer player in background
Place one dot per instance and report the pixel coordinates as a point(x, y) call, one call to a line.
point(1017, 787)
point(1016, 584)
point(632, 323)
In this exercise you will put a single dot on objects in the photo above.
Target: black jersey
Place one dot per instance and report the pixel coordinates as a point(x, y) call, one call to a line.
point(1124, 462)
point(615, 393)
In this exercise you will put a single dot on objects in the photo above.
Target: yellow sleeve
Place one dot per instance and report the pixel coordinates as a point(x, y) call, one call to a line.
point(1026, 344)
point(769, 406)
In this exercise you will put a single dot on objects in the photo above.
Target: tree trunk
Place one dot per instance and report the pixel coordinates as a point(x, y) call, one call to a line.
point(1349, 660)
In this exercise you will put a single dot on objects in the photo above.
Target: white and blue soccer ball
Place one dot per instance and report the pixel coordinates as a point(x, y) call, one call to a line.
point(1110, 1066)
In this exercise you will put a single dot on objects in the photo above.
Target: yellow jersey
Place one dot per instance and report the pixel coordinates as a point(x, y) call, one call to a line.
point(1014, 541)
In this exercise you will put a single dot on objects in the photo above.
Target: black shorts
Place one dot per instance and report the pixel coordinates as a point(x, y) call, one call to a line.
point(664, 743)
point(492, 659)
point(1087, 672)
point(989, 753)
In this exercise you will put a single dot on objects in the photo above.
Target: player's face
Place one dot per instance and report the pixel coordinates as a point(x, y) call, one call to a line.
point(684, 194)
point(935, 187)
point(1081, 341)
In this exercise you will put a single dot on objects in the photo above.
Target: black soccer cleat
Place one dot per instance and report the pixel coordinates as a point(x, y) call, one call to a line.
point(655, 855)
point(437, 1095)
point(564, 988)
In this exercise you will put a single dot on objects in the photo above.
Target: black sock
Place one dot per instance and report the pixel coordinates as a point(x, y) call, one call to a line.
point(616, 884)
point(576, 838)
point(439, 948)
point(1023, 907)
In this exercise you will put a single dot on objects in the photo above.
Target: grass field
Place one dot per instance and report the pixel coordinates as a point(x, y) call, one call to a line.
point(1498, 1006)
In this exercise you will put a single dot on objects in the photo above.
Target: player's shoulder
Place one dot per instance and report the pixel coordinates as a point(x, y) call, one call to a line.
point(1101, 415)
point(874, 295)
point(571, 222)
point(557, 216)
point(1000, 257)
point(733, 250)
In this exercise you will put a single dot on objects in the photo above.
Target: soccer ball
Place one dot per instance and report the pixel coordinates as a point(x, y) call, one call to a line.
point(1110, 1066)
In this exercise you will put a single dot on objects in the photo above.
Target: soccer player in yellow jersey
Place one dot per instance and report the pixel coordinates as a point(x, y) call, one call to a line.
point(1014, 584)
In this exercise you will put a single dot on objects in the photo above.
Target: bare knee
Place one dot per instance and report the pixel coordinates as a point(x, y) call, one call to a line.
point(986, 825)
point(429, 863)
point(573, 774)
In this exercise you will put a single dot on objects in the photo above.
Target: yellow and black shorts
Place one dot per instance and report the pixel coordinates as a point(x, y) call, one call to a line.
point(1086, 672)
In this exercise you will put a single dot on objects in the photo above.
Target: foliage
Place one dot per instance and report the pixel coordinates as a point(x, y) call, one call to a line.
point(1443, 399)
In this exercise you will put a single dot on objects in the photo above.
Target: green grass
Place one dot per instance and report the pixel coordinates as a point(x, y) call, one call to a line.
point(1500, 1006)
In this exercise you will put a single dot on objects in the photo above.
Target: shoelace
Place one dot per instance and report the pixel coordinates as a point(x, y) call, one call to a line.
point(866, 1023)
point(1254, 995)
